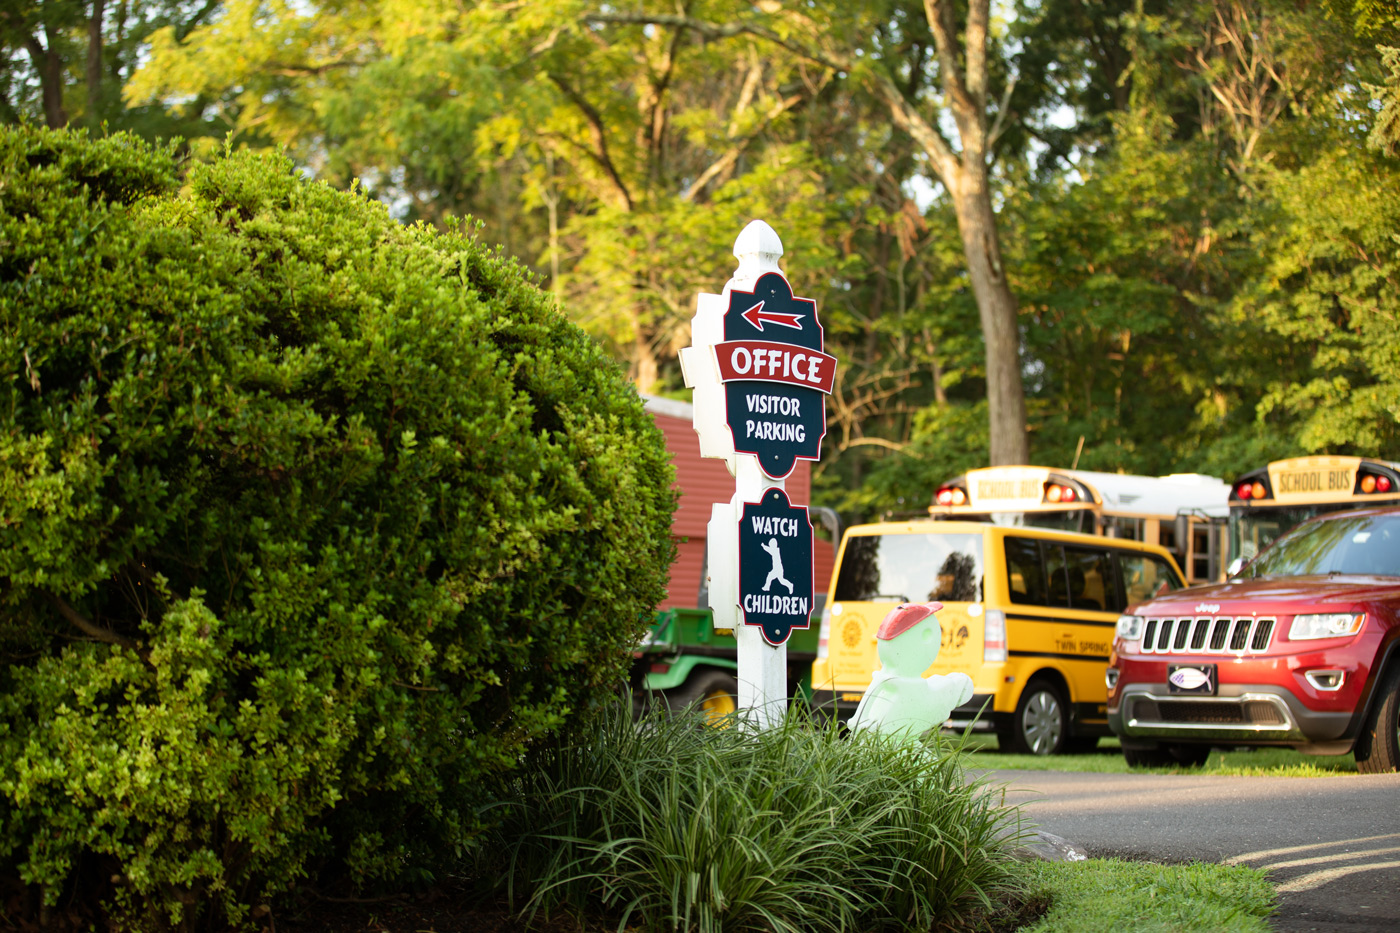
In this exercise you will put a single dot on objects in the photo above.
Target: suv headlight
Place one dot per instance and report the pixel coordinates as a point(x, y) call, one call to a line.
point(1129, 628)
point(1324, 625)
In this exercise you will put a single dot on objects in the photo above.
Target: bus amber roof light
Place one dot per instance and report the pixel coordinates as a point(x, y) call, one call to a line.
point(959, 497)
point(1052, 493)
point(1257, 490)
point(1368, 483)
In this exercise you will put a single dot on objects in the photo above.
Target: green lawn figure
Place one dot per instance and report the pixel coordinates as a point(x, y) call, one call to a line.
point(901, 702)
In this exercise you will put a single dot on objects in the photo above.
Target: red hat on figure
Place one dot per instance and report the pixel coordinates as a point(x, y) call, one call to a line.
point(904, 617)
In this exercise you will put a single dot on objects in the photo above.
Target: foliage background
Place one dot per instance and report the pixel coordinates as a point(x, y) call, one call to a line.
point(311, 524)
point(1197, 202)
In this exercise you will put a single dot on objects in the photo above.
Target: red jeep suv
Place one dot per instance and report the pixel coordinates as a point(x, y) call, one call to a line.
point(1298, 650)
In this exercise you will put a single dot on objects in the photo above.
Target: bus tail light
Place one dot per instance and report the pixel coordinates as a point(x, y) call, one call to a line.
point(1251, 489)
point(1368, 483)
point(950, 495)
point(994, 637)
point(1056, 492)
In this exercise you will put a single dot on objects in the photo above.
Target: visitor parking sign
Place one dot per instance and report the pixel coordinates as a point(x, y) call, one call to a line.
point(775, 375)
point(775, 565)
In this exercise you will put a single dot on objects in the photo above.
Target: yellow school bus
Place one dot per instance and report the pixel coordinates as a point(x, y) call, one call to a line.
point(1028, 614)
point(1266, 502)
point(1183, 512)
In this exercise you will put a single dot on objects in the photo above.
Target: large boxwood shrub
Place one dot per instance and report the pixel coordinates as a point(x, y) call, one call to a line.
point(310, 523)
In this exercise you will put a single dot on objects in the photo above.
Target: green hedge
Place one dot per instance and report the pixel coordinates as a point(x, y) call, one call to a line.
point(312, 523)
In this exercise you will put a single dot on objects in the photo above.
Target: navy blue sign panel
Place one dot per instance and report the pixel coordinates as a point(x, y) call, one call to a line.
point(775, 565)
point(775, 374)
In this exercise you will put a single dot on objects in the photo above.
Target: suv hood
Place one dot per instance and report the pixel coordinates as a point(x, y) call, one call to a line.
point(1272, 594)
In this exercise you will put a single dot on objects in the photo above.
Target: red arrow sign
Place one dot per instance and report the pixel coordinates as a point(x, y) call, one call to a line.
point(756, 316)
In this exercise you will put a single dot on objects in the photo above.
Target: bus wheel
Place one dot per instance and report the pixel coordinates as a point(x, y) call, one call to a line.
point(1378, 747)
point(1040, 725)
point(714, 693)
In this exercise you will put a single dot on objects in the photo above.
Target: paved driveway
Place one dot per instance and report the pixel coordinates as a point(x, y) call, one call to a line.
point(1331, 844)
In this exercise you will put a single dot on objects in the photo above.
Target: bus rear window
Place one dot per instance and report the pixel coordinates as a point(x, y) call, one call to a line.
point(911, 568)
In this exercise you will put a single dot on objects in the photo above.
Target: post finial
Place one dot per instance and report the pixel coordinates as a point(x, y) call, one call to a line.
point(757, 249)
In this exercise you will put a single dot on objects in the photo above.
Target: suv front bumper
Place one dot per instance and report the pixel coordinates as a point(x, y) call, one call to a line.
point(1246, 714)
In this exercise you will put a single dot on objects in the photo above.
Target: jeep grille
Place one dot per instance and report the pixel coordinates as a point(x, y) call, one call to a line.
point(1207, 635)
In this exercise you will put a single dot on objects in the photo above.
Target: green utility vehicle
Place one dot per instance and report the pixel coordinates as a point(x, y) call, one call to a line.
point(684, 659)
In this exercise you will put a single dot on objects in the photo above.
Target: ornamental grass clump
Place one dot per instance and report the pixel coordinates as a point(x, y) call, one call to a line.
point(671, 825)
point(310, 524)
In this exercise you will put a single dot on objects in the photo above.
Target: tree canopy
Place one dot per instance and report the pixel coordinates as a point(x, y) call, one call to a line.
point(1137, 236)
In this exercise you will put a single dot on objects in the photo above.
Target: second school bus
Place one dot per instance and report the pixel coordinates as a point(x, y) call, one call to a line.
point(1028, 614)
point(1266, 502)
point(1183, 512)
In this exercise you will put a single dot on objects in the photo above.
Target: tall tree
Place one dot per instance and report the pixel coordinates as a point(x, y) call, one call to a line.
point(961, 99)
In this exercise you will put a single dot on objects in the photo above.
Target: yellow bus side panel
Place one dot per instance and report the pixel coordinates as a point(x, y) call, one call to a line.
point(1078, 651)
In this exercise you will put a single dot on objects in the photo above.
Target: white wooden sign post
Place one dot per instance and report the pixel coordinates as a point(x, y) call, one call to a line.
point(760, 375)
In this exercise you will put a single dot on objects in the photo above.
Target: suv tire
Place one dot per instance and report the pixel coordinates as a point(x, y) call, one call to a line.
point(1147, 757)
point(1378, 747)
point(1189, 756)
point(1167, 756)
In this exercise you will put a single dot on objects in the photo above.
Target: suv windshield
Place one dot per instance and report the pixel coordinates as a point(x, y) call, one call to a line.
point(1359, 544)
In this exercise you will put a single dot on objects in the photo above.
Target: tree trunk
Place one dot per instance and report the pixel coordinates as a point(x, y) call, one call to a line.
point(997, 308)
point(49, 67)
point(94, 64)
point(647, 368)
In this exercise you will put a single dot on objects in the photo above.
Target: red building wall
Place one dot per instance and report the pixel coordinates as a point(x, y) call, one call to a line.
point(702, 482)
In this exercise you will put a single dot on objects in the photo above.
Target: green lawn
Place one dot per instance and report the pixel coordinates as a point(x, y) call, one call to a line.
point(1108, 759)
point(1113, 896)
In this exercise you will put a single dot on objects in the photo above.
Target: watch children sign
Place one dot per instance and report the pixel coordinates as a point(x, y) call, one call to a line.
point(775, 565)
